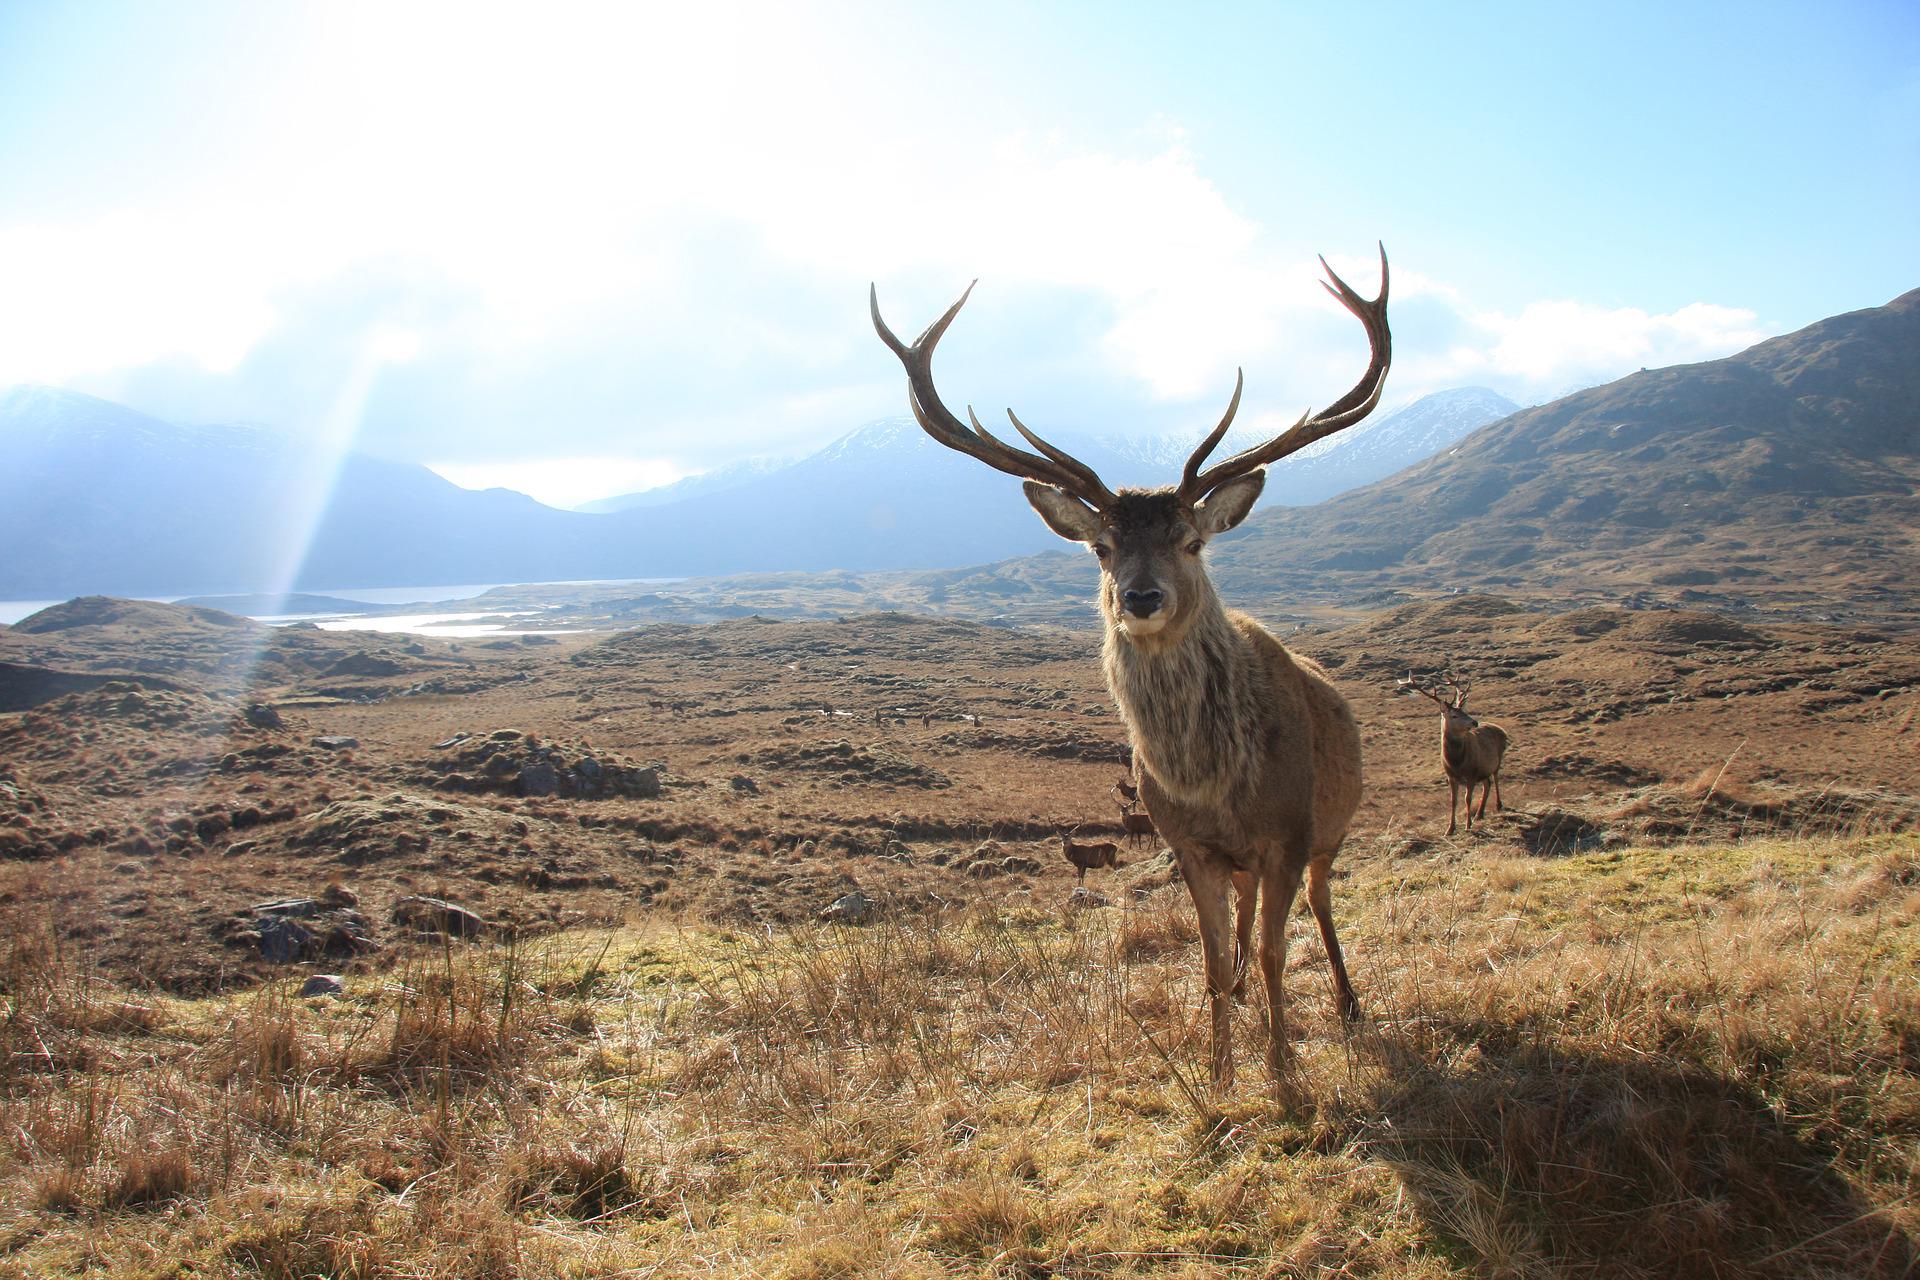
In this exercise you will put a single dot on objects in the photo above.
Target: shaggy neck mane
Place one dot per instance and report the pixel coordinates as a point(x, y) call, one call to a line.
point(1182, 699)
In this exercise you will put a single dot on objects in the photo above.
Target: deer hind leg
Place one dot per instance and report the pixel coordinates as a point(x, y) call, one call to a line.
point(1246, 888)
point(1320, 899)
point(1279, 885)
point(1498, 803)
point(1486, 790)
point(1208, 883)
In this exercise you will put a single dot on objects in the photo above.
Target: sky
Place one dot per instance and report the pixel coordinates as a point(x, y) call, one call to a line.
point(578, 250)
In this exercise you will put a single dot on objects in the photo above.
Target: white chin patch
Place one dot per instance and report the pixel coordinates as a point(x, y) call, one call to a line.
point(1135, 626)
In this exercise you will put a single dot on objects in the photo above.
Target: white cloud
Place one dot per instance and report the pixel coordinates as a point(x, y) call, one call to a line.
point(648, 227)
point(1551, 346)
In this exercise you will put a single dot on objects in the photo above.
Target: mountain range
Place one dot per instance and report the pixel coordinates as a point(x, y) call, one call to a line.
point(96, 497)
point(1783, 479)
point(1786, 475)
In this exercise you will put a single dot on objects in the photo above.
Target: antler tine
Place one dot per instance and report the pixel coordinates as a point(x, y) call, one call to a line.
point(1344, 412)
point(1060, 456)
point(1057, 468)
point(1219, 433)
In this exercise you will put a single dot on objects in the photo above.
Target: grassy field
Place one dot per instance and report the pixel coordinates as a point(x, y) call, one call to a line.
point(1696, 1060)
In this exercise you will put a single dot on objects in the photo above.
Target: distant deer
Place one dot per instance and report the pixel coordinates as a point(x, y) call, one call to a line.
point(1471, 753)
point(1086, 857)
point(1127, 793)
point(1249, 759)
point(1138, 826)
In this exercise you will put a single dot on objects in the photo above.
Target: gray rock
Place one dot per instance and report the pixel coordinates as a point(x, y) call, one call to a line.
point(301, 908)
point(262, 716)
point(284, 939)
point(323, 984)
point(336, 742)
point(294, 929)
point(539, 779)
point(850, 908)
point(741, 782)
point(436, 917)
point(1085, 900)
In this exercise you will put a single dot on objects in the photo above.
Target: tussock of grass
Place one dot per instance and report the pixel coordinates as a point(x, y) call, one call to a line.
point(1685, 1061)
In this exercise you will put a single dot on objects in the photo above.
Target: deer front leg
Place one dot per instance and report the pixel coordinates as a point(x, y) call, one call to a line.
point(1246, 891)
point(1208, 882)
point(1453, 804)
point(1280, 883)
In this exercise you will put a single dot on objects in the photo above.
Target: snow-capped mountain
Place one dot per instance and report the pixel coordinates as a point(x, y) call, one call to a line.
point(722, 478)
point(1368, 451)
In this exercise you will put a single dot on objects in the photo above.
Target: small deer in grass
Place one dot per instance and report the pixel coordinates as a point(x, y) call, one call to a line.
point(1471, 753)
point(1086, 857)
point(1138, 826)
point(1127, 793)
point(1248, 758)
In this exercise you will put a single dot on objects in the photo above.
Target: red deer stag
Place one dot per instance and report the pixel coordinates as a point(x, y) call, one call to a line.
point(1471, 753)
point(1249, 759)
point(1086, 857)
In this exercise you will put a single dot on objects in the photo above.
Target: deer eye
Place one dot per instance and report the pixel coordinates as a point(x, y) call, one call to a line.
point(1193, 548)
point(1100, 549)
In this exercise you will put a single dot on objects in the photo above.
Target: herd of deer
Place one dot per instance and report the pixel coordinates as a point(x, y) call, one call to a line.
point(1246, 756)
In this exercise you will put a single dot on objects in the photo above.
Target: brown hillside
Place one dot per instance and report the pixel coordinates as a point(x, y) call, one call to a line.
point(1783, 478)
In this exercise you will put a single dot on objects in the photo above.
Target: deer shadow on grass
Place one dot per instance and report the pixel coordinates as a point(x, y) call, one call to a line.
point(1529, 1160)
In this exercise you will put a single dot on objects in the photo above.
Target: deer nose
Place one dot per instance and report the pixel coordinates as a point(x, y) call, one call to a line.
point(1142, 604)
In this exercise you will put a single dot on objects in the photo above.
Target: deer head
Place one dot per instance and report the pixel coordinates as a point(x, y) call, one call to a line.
point(1149, 541)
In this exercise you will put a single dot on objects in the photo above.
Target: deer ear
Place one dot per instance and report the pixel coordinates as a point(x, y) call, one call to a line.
point(1065, 514)
point(1228, 505)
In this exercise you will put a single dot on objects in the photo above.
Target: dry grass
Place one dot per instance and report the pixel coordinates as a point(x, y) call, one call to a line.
point(1690, 1061)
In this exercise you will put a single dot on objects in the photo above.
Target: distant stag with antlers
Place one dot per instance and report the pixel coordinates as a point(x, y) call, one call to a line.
point(1248, 758)
point(1089, 856)
point(1471, 752)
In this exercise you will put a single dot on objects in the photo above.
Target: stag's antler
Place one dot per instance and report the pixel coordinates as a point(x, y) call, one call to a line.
point(1427, 686)
point(1057, 468)
point(1196, 484)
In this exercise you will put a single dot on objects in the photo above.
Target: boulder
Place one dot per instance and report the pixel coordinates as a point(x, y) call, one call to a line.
point(292, 930)
point(434, 917)
point(850, 908)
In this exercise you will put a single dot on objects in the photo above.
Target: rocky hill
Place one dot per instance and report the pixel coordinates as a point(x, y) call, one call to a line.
point(1782, 477)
